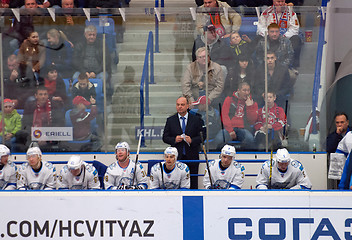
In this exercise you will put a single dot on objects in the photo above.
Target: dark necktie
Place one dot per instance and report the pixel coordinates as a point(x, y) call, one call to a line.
point(183, 124)
point(183, 131)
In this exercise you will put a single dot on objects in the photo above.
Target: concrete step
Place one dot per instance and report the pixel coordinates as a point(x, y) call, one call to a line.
point(303, 89)
point(163, 56)
point(159, 67)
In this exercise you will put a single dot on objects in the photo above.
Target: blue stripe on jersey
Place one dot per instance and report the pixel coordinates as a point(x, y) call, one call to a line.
point(193, 218)
point(340, 151)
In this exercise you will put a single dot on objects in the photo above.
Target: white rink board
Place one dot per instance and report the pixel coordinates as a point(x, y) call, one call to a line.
point(89, 215)
point(176, 215)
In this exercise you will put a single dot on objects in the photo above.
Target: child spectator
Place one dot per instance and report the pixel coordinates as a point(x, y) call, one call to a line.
point(81, 122)
point(276, 122)
point(239, 46)
point(12, 122)
point(83, 87)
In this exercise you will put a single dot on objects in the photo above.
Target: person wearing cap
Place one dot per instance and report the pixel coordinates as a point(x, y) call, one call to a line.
point(170, 174)
point(8, 170)
point(225, 172)
point(81, 119)
point(283, 173)
point(77, 174)
point(212, 12)
point(121, 175)
point(36, 174)
point(193, 80)
point(218, 49)
point(12, 122)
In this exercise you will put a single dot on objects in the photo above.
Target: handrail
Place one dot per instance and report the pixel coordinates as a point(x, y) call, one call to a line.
point(146, 76)
point(316, 85)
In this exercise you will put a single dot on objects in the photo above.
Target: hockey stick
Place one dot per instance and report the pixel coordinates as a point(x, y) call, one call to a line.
point(162, 175)
point(206, 159)
point(286, 110)
point(222, 124)
point(137, 155)
point(271, 159)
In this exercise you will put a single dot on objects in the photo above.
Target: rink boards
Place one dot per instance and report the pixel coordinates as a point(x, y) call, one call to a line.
point(244, 214)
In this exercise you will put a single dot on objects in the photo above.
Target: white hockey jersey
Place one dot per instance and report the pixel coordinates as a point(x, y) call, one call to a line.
point(345, 145)
point(117, 176)
point(88, 179)
point(338, 159)
point(230, 178)
point(178, 178)
point(295, 177)
point(8, 176)
point(45, 179)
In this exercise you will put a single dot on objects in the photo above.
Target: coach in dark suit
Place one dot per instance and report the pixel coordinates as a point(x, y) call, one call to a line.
point(182, 130)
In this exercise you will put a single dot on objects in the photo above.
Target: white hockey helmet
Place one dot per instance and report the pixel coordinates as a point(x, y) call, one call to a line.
point(4, 151)
point(34, 151)
point(171, 151)
point(228, 150)
point(75, 162)
point(282, 155)
point(123, 145)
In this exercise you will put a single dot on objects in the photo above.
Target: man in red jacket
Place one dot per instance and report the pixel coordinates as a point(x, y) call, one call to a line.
point(239, 112)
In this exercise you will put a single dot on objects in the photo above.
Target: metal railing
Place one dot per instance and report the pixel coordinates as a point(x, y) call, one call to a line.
point(147, 75)
point(317, 76)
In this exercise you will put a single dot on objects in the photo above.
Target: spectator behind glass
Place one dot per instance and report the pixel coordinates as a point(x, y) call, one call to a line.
point(31, 56)
point(12, 122)
point(5, 3)
point(12, 81)
point(219, 50)
point(241, 71)
point(240, 46)
point(42, 112)
point(83, 87)
point(274, 128)
point(278, 80)
point(59, 53)
point(55, 85)
point(238, 112)
point(81, 122)
point(193, 81)
point(288, 22)
point(71, 25)
point(88, 57)
point(278, 44)
point(342, 127)
point(224, 25)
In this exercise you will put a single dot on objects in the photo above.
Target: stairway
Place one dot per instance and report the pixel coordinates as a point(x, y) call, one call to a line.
point(170, 64)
